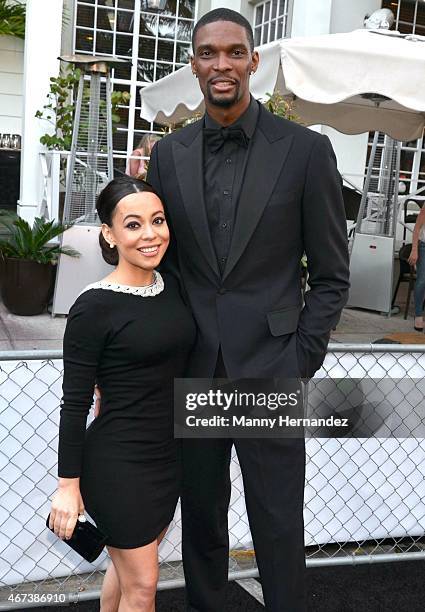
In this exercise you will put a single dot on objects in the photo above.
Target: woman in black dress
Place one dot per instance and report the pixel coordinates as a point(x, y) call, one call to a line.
point(131, 334)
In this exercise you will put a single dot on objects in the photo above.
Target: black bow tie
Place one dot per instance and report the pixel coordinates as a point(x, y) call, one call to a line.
point(216, 138)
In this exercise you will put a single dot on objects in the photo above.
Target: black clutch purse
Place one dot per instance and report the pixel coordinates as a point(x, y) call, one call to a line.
point(87, 540)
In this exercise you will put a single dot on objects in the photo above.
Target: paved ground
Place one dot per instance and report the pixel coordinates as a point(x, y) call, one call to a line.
point(46, 332)
point(375, 587)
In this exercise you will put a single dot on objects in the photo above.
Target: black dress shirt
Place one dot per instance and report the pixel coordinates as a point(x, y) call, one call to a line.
point(223, 176)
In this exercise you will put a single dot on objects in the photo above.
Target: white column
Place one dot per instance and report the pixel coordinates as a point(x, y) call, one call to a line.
point(42, 47)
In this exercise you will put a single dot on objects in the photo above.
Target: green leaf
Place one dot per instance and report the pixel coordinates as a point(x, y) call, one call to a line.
point(25, 242)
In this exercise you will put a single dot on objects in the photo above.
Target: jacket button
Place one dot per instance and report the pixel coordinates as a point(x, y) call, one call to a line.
point(222, 290)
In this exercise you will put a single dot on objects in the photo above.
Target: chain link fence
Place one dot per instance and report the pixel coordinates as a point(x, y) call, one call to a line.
point(364, 497)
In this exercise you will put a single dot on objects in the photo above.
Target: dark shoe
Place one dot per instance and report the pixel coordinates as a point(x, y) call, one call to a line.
point(419, 329)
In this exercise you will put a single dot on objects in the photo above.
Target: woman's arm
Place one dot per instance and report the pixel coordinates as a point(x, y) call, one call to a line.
point(415, 239)
point(84, 339)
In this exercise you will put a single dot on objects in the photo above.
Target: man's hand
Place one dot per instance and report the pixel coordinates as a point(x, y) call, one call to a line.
point(97, 401)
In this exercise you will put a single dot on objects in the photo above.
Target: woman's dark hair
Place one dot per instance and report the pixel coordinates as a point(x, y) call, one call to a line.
point(107, 201)
point(223, 14)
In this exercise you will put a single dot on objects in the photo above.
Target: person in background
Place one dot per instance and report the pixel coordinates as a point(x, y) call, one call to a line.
point(417, 258)
point(138, 167)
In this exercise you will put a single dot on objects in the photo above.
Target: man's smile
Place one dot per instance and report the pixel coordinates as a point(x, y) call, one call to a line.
point(222, 84)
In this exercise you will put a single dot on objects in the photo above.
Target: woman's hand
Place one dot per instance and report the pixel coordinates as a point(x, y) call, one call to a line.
point(413, 257)
point(67, 504)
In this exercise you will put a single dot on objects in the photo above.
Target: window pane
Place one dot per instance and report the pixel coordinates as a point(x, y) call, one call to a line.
point(139, 123)
point(122, 111)
point(85, 16)
point(162, 70)
point(406, 163)
point(105, 19)
point(259, 14)
point(122, 72)
point(182, 53)
point(184, 30)
point(187, 9)
point(120, 165)
point(121, 87)
point(165, 51)
point(119, 139)
point(124, 45)
point(279, 29)
point(265, 33)
point(267, 11)
point(170, 8)
point(145, 71)
point(148, 24)
point(257, 36)
point(147, 47)
point(104, 42)
point(84, 40)
point(272, 30)
point(127, 4)
point(125, 21)
point(166, 28)
point(283, 8)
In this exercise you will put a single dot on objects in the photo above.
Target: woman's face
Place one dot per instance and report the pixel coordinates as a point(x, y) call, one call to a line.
point(139, 230)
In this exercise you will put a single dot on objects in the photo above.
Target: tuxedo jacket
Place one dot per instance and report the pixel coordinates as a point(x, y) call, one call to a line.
point(290, 202)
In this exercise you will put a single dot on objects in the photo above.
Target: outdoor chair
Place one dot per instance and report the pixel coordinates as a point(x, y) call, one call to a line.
point(407, 274)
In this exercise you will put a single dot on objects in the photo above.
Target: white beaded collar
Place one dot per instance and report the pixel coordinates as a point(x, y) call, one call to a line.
point(146, 291)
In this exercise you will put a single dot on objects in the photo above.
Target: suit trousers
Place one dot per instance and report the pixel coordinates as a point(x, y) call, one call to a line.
point(273, 472)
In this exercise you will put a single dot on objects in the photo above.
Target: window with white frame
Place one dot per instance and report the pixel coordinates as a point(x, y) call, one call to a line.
point(155, 43)
point(271, 21)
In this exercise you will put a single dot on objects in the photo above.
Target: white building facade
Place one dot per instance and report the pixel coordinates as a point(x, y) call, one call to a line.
point(157, 44)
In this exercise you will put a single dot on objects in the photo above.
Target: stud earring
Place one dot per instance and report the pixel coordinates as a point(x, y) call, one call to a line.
point(111, 246)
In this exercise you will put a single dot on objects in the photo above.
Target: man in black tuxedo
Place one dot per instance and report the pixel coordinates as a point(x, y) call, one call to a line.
point(246, 194)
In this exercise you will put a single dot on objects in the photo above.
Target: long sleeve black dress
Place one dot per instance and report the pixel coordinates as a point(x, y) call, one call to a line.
point(132, 346)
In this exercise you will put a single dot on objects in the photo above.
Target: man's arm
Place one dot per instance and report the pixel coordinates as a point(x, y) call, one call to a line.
point(326, 247)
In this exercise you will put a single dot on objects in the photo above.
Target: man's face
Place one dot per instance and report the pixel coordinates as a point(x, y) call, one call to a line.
point(223, 62)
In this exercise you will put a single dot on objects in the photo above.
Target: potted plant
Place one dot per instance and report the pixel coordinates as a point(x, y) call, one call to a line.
point(28, 262)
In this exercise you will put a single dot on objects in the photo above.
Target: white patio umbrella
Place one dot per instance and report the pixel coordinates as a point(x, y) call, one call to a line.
point(331, 77)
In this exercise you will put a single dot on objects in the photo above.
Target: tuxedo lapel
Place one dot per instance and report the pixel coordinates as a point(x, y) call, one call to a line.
point(266, 159)
point(188, 156)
